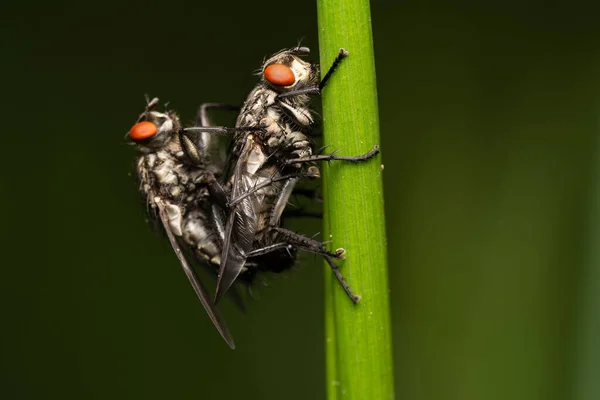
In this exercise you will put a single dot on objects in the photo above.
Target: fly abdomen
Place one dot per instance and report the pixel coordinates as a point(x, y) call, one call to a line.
point(198, 233)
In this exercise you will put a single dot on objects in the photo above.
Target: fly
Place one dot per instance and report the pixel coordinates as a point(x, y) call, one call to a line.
point(174, 172)
point(265, 165)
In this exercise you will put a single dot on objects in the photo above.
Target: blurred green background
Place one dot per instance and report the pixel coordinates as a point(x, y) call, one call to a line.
point(489, 118)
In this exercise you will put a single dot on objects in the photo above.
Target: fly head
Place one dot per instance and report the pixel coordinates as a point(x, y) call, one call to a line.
point(153, 129)
point(286, 71)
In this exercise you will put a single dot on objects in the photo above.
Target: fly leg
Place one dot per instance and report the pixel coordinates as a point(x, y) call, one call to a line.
point(305, 243)
point(312, 246)
point(333, 157)
point(336, 271)
point(328, 257)
point(336, 63)
point(269, 249)
point(195, 140)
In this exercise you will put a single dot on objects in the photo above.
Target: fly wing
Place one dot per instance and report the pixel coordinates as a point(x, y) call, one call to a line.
point(241, 225)
point(199, 288)
point(218, 219)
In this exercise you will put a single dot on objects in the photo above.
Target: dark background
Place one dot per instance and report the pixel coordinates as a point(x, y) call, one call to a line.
point(489, 122)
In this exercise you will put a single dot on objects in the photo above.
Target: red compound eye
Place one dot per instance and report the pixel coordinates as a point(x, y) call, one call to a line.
point(143, 130)
point(280, 75)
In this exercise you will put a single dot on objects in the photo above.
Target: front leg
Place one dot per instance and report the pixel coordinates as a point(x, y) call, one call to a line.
point(336, 63)
point(305, 243)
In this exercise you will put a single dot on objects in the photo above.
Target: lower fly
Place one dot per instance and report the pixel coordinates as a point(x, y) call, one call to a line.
point(173, 170)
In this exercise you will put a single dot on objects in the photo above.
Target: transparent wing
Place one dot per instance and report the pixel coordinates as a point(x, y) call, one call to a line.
point(240, 228)
point(211, 310)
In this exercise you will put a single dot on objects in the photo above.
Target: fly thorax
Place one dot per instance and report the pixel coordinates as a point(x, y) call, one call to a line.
point(164, 172)
point(250, 119)
point(255, 107)
point(272, 121)
point(168, 176)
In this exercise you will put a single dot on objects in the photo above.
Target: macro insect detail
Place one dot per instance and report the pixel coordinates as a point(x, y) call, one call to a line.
point(230, 220)
point(174, 171)
point(265, 165)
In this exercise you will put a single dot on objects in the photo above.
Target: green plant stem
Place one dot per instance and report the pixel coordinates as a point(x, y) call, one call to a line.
point(358, 337)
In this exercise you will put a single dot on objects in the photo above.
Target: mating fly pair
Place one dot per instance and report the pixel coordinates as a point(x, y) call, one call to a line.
point(231, 220)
